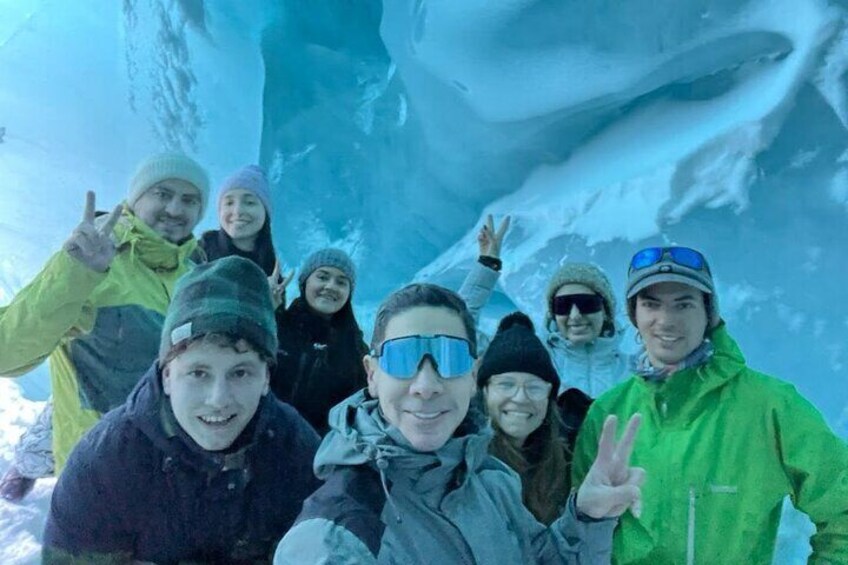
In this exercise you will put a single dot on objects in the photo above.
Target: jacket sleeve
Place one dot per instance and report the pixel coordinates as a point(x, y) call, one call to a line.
point(477, 288)
point(88, 511)
point(53, 305)
point(816, 462)
point(583, 542)
point(321, 542)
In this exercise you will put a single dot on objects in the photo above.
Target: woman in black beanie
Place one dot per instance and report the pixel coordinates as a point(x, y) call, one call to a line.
point(519, 385)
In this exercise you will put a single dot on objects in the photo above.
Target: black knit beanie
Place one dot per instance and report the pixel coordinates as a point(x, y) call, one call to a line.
point(515, 348)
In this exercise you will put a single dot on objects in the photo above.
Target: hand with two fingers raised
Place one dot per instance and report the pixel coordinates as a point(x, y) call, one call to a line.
point(612, 486)
point(90, 244)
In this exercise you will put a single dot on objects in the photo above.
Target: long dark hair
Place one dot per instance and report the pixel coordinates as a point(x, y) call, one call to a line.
point(543, 463)
point(218, 243)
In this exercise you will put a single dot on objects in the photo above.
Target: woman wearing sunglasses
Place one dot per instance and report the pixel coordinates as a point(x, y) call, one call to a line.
point(582, 336)
point(519, 383)
point(407, 470)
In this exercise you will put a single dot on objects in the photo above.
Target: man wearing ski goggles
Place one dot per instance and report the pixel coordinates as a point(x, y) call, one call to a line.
point(401, 357)
point(705, 407)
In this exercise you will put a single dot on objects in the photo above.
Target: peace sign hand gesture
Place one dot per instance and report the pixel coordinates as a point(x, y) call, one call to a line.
point(611, 486)
point(490, 240)
point(93, 245)
point(278, 285)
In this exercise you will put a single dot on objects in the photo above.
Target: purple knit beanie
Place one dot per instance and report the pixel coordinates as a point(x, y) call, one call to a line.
point(251, 178)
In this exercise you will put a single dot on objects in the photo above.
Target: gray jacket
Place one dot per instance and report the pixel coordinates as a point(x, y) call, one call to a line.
point(594, 368)
point(384, 502)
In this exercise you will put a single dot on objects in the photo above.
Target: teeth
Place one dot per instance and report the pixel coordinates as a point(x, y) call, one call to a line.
point(217, 419)
point(517, 413)
point(666, 338)
point(427, 415)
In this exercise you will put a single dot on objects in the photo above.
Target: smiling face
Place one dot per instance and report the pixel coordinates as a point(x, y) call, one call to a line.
point(578, 327)
point(241, 215)
point(171, 208)
point(510, 406)
point(672, 320)
point(427, 409)
point(327, 290)
point(214, 392)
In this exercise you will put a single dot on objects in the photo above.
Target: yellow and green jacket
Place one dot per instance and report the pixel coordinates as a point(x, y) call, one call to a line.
point(100, 330)
point(722, 446)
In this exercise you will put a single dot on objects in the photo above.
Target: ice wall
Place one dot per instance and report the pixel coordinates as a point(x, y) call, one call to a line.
point(600, 127)
point(391, 128)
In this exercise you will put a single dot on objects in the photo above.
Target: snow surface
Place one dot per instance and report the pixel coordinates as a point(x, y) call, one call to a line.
point(391, 129)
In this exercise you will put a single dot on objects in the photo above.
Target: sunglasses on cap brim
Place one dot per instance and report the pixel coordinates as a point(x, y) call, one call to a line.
point(683, 256)
point(585, 303)
point(402, 357)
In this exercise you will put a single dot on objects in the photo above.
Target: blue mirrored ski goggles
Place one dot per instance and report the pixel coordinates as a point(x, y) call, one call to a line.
point(684, 256)
point(401, 357)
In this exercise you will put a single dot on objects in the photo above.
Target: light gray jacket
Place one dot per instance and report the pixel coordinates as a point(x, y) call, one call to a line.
point(455, 505)
point(594, 368)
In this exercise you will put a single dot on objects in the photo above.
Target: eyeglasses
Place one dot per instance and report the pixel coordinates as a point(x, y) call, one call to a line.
point(401, 357)
point(683, 256)
point(534, 390)
point(586, 303)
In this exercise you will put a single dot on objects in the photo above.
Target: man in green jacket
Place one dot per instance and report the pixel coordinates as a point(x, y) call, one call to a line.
point(97, 307)
point(722, 444)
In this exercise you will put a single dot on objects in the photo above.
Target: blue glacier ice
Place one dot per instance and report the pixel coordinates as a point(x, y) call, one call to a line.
point(392, 128)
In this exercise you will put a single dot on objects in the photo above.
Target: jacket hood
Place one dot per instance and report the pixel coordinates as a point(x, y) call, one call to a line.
point(150, 411)
point(359, 435)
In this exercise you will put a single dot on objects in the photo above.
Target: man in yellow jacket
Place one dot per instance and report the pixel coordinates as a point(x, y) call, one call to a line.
point(96, 309)
point(721, 444)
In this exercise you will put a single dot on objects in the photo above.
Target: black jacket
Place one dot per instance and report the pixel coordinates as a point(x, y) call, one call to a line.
point(138, 487)
point(320, 361)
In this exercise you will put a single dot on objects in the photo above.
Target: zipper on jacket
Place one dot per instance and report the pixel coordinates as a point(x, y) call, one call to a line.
point(690, 534)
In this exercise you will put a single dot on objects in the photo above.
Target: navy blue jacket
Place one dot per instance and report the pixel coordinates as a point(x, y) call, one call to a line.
point(138, 487)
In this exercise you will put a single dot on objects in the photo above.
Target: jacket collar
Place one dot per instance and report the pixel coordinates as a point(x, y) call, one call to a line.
point(599, 346)
point(149, 247)
point(685, 392)
point(360, 435)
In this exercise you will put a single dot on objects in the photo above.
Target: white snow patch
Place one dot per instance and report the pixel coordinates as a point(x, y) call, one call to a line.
point(803, 158)
point(21, 525)
point(831, 78)
point(838, 188)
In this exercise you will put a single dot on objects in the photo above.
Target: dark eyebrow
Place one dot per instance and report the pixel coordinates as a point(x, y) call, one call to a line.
point(684, 297)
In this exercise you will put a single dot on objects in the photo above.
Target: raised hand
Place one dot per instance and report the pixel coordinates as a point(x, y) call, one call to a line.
point(278, 285)
point(612, 486)
point(489, 240)
point(92, 245)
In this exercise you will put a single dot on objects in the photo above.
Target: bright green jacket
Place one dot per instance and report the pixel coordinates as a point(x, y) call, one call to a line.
point(100, 330)
point(722, 446)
